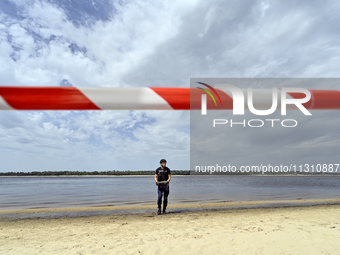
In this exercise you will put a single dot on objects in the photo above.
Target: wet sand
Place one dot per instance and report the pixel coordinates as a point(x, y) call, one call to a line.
point(226, 204)
point(283, 230)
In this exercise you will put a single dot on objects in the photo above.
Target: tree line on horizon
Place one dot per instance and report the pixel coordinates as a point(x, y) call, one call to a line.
point(140, 172)
point(94, 173)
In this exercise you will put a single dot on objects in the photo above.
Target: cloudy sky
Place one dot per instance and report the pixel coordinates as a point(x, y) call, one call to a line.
point(92, 43)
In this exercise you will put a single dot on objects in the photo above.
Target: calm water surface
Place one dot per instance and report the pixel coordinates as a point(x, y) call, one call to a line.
point(33, 192)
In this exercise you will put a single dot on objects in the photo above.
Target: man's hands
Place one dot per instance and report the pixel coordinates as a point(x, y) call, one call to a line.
point(162, 182)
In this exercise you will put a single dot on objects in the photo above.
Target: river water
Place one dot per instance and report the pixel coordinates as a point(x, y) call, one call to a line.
point(35, 192)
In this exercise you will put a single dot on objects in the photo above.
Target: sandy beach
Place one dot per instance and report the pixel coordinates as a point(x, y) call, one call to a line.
point(285, 230)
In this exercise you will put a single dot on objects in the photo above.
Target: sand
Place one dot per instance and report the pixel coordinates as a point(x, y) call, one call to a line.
point(290, 230)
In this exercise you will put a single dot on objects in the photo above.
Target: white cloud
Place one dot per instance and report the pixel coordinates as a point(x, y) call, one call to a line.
point(142, 44)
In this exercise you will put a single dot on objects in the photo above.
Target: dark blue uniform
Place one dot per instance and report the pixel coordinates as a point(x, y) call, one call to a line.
point(163, 175)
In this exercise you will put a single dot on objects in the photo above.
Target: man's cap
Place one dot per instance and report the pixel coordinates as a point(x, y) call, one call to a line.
point(162, 160)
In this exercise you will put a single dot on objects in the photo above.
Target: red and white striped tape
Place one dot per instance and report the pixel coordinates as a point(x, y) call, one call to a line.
point(155, 98)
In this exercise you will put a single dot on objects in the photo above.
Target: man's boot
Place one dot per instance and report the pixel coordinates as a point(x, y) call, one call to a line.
point(165, 203)
point(159, 211)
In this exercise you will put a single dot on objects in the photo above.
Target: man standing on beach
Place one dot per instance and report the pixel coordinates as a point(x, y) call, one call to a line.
point(162, 179)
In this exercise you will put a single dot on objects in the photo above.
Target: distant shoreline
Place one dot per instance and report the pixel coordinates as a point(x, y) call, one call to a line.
point(34, 176)
point(86, 176)
point(151, 175)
